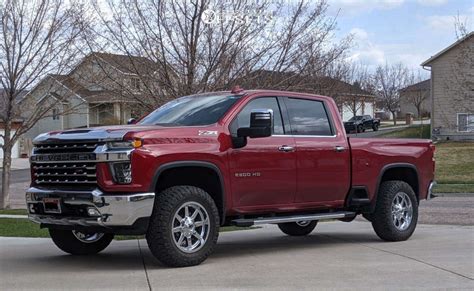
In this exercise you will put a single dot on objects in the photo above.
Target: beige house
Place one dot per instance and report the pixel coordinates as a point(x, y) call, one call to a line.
point(102, 89)
point(452, 90)
point(416, 99)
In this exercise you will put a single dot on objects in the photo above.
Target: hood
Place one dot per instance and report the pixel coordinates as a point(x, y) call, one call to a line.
point(103, 133)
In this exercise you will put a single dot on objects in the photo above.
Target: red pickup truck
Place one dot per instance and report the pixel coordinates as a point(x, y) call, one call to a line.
point(224, 158)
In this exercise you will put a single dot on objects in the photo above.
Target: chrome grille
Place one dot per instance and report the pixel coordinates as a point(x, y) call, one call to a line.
point(86, 147)
point(69, 167)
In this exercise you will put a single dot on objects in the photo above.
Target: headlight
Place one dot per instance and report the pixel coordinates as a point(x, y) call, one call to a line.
point(136, 143)
point(120, 145)
point(122, 172)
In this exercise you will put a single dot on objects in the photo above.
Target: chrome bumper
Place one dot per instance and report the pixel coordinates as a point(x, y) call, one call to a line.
point(111, 210)
point(430, 194)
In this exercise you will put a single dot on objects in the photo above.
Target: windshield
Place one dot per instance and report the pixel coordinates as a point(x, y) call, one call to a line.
point(356, 118)
point(191, 110)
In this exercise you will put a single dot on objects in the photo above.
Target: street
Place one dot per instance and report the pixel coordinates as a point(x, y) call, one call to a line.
point(335, 255)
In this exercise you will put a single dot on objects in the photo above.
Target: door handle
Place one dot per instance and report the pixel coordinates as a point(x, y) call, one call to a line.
point(285, 148)
point(339, 149)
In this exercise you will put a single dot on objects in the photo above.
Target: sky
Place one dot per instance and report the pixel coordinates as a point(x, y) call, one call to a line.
point(408, 31)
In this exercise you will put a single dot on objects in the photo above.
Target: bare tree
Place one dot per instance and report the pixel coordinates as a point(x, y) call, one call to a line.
point(390, 79)
point(37, 38)
point(206, 45)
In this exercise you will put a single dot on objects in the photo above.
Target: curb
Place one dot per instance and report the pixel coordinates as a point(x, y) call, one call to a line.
point(454, 194)
point(13, 216)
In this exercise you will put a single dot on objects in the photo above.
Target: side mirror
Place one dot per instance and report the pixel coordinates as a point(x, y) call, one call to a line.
point(132, 121)
point(261, 124)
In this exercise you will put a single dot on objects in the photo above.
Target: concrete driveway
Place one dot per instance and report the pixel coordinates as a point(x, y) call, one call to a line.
point(336, 255)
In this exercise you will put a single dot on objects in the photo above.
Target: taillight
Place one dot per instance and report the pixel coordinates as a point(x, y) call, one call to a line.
point(433, 159)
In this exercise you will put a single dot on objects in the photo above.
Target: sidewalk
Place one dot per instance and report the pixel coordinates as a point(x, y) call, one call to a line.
point(18, 163)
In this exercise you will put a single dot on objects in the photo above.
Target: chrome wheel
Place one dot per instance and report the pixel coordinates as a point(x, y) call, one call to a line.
point(190, 227)
point(402, 211)
point(87, 237)
point(303, 223)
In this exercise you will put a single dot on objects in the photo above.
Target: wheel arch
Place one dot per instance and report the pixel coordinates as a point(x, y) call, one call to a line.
point(398, 171)
point(204, 175)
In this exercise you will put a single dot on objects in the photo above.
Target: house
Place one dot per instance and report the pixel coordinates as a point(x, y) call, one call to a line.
point(350, 99)
point(102, 89)
point(452, 90)
point(416, 99)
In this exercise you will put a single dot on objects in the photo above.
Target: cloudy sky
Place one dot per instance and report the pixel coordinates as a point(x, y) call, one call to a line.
point(408, 31)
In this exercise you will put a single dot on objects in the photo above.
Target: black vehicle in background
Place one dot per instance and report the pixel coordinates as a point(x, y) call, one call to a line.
point(360, 123)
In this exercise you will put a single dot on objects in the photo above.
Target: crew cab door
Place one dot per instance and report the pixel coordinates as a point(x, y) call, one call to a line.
point(322, 152)
point(263, 172)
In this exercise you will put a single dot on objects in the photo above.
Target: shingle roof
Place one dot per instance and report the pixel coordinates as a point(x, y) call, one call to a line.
point(264, 79)
point(420, 86)
point(126, 63)
point(96, 96)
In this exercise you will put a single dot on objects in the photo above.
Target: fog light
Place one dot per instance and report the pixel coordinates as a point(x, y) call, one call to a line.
point(93, 212)
point(122, 173)
point(31, 208)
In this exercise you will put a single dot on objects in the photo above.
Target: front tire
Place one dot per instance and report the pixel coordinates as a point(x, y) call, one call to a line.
point(396, 212)
point(299, 228)
point(80, 243)
point(375, 127)
point(184, 226)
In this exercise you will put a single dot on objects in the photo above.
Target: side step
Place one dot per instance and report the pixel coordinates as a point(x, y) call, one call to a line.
point(293, 218)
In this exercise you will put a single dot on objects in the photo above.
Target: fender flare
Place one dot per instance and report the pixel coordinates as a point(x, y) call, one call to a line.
point(190, 163)
point(389, 167)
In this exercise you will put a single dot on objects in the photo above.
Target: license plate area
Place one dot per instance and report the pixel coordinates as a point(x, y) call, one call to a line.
point(52, 205)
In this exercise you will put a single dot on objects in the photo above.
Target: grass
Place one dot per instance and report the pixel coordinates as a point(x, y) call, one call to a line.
point(416, 131)
point(454, 167)
point(18, 227)
point(14, 211)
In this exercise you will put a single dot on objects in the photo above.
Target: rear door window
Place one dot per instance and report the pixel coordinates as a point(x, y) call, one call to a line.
point(308, 117)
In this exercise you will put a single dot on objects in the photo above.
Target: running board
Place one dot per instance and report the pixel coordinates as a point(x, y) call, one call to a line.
point(294, 218)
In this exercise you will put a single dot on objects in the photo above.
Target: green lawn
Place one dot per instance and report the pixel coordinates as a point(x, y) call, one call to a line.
point(18, 227)
point(416, 131)
point(14, 211)
point(455, 167)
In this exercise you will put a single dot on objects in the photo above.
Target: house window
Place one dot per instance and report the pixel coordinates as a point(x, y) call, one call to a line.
point(55, 114)
point(135, 84)
point(465, 122)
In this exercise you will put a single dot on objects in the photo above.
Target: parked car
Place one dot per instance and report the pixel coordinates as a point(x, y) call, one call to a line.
point(360, 123)
point(226, 158)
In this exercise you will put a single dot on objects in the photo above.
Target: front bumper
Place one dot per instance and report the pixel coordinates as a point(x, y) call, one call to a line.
point(111, 211)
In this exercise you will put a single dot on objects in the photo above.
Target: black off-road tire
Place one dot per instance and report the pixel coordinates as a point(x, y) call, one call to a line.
point(359, 129)
point(382, 217)
point(160, 237)
point(375, 127)
point(293, 229)
point(67, 242)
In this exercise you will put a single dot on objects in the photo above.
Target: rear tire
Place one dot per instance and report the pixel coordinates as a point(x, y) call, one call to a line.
point(79, 243)
point(375, 127)
point(184, 226)
point(396, 212)
point(359, 129)
point(298, 228)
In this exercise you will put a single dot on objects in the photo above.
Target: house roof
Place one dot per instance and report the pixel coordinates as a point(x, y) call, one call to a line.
point(127, 64)
point(99, 96)
point(265, 79)
point(420, 86)
point(439, 54)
